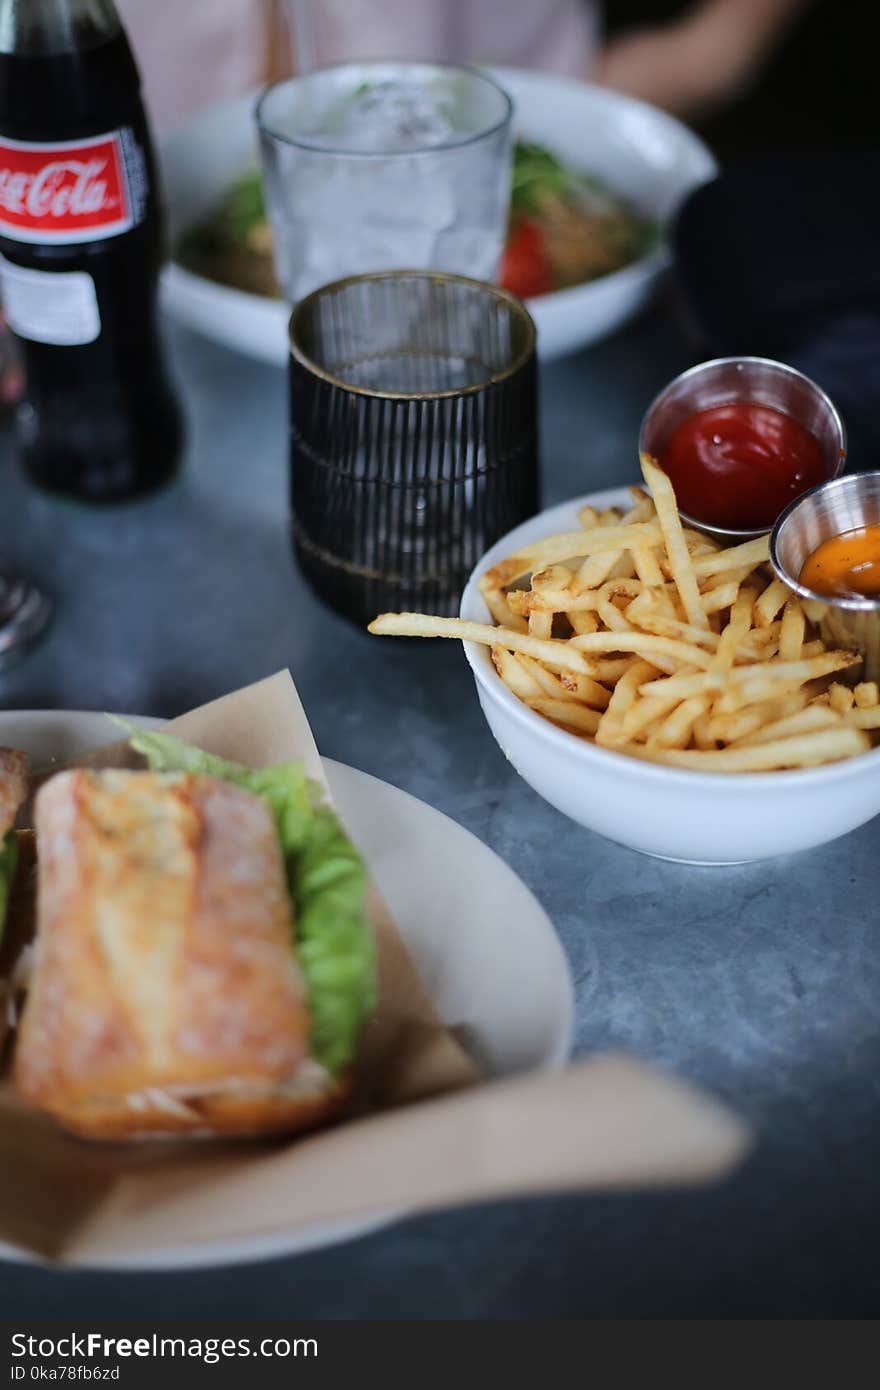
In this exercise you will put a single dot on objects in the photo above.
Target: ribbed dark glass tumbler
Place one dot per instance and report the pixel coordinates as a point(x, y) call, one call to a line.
point(413, 436)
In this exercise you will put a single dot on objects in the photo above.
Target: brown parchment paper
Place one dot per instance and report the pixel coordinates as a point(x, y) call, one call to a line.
point(425, 1131)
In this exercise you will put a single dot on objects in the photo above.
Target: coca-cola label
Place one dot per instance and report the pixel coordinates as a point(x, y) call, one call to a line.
point(69, 191)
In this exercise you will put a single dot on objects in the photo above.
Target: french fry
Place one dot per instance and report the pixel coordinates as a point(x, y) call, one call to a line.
point(698, 544)
point(675, 731)
point(673, 536)
point(805, 721)
point(740, 724)
point(667, 664)
point(840, 697)
point(561, 601)
point(544, 681)
point(702, 736)
point(548, 684)
point(582, 623)
point(791, 631)
point(583, 688)
point(556, 653)
point(866, 694)
point(738, 575)
point(643, 604)
point(722, 596)
point(568, 546)
point(540, 625)
point(565, 685)
point(594, 571)
point(863, 717)
point(671, 627)
point(609, 670)
point(552, 578)
point(815, 610)
point(611, 615)
point(738, 625)
point(759, 645)
point(806, 750)
point(764, 680)
point(627, 687)
point(770, 602)
point(520, 681)
point(647, 710)
point(498, 606)
point(640, 495)
point(643, 508)
point(623, 567)
point(666, 601)
point(622, 698)
point(759, 640)
point(520, 602)
point(687, 683)
point(643, 644)
point(749, 554)
point(573, 716)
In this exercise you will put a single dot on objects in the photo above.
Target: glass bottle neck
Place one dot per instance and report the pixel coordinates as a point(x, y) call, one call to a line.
point(41, 27)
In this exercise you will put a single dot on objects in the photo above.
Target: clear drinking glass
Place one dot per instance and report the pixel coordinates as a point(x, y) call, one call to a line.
point(385, 166)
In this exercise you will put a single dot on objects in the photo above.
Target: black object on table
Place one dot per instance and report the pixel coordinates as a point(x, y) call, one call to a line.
point(779, 258)
point(413, 436)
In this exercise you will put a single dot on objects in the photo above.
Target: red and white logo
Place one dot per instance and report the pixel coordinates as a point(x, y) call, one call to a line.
point(68, 191)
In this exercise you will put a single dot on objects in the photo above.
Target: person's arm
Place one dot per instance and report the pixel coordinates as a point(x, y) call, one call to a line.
point(701, 61)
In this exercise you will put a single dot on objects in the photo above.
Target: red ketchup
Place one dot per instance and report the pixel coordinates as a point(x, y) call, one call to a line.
point(739, 465)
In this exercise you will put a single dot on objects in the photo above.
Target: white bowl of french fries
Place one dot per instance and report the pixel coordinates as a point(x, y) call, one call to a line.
point(660, 689)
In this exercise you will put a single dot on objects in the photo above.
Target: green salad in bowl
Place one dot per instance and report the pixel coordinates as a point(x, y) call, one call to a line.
point(566, 227)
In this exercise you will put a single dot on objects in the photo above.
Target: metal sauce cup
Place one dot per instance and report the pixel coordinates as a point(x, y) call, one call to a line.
point(825, 511)
point(759, 381)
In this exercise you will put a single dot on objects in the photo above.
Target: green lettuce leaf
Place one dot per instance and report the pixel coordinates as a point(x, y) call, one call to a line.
point(327, 880)
point(8, 865)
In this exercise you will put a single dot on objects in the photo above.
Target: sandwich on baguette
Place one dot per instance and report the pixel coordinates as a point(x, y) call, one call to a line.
point(203, 959)
point(13, 790)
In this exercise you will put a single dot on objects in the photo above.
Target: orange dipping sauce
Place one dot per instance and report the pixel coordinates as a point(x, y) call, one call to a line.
point(846, 566)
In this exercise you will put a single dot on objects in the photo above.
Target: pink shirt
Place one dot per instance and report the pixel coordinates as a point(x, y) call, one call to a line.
point(194, 52)
point(555, 35)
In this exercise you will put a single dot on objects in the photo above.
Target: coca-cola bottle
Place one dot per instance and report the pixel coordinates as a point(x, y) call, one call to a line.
point(80, 247)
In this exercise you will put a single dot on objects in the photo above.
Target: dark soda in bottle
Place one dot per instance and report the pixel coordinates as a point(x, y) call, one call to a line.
point(80, 250)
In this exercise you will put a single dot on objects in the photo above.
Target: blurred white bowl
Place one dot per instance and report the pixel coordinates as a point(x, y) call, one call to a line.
point(640, 152)
point(692, 817)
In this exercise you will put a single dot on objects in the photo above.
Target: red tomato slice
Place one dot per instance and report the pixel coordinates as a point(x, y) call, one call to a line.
point(525, 269)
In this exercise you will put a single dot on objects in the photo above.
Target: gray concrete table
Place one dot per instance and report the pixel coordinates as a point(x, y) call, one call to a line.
point(761, 982)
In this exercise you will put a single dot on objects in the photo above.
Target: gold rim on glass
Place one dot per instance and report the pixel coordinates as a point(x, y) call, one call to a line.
point(519, 313)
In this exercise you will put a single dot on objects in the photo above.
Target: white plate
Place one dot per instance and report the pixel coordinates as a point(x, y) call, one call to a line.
point(484, 947)
point(640, 152)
